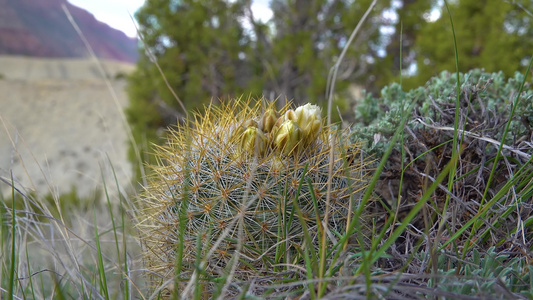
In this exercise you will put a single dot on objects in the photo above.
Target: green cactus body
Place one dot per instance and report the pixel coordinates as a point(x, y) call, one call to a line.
point(209, 171)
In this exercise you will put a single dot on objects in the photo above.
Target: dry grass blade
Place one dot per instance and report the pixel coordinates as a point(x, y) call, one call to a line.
point(477, 136)
point(110, 88)
point(154, 60)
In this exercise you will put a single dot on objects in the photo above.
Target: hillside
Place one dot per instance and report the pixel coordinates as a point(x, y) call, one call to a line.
point(41, 29)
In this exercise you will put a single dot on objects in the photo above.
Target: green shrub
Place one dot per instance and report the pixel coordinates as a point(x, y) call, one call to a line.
point(483, 274)
point(482, 94)
point(483, 122)
point(478, 212)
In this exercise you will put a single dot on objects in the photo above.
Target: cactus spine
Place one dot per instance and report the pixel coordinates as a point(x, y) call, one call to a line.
point(244, 160)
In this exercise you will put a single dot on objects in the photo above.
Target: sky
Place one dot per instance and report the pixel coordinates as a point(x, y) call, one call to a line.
point(116, 13)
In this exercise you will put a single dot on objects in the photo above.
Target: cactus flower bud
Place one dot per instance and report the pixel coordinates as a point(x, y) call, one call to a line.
point(253, 140)
point(277, 125)
point(309, 120)
point(268, 120)
point(290, 115)
point(287, 137)
point(250, 123)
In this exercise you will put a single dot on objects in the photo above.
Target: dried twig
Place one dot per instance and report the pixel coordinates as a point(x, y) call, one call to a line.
point(477, 136)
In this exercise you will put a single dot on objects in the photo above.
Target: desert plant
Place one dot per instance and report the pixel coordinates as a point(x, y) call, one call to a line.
point(484, 97)
point(233, 180)
point(480, 274)
point(489, 191)
point(486, 104)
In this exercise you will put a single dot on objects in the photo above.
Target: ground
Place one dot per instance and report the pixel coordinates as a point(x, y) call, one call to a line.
point(60, 124)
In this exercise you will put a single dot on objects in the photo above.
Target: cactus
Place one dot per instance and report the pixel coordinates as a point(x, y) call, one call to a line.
point(242, 163)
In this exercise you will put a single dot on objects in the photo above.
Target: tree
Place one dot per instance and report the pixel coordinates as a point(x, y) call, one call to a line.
point(200, 46)
point(202, 50)
point(411, 16)
point(210, 50)
point(493, 35)
point(308, 38)
point(218, 49)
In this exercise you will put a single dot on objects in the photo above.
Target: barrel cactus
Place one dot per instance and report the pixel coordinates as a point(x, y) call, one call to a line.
point(240, 165)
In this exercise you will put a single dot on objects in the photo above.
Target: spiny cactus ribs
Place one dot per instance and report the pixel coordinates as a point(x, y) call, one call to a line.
point(241, 164)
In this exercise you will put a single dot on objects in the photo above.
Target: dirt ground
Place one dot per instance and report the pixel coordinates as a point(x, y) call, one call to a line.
point(61, 126)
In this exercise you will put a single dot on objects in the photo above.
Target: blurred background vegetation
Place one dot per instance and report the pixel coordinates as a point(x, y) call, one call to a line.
point(213, 50)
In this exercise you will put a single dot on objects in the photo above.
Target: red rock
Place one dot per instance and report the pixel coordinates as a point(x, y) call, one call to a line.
point(41, 29)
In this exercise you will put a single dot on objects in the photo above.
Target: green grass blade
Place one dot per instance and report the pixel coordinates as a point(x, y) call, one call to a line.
point(30, 277)
point(126, 291)
point(114, 227)
point(127, 283)
point(58, 290)
point(310, 256)
point(110, 208)
point(506, 131)
point(199, 285)
point(183, 205)
point(353, 227)
point(498, 155)
point(414, 211)
point(101, 269)
point(483, 210)
point(451, 177)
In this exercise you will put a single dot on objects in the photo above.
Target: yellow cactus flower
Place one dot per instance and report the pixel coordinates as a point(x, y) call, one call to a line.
point(288, 137)
point(309, 120)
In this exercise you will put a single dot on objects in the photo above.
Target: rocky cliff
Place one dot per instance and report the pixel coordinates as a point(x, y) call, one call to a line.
point(41, 29)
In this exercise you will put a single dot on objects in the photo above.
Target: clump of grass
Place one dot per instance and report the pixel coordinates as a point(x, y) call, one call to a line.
point(54, 252)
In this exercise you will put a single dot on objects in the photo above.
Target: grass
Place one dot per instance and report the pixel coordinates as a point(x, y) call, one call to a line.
point(55, 252)
point(102, 259)
point(103, 264)
point(49, 259)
